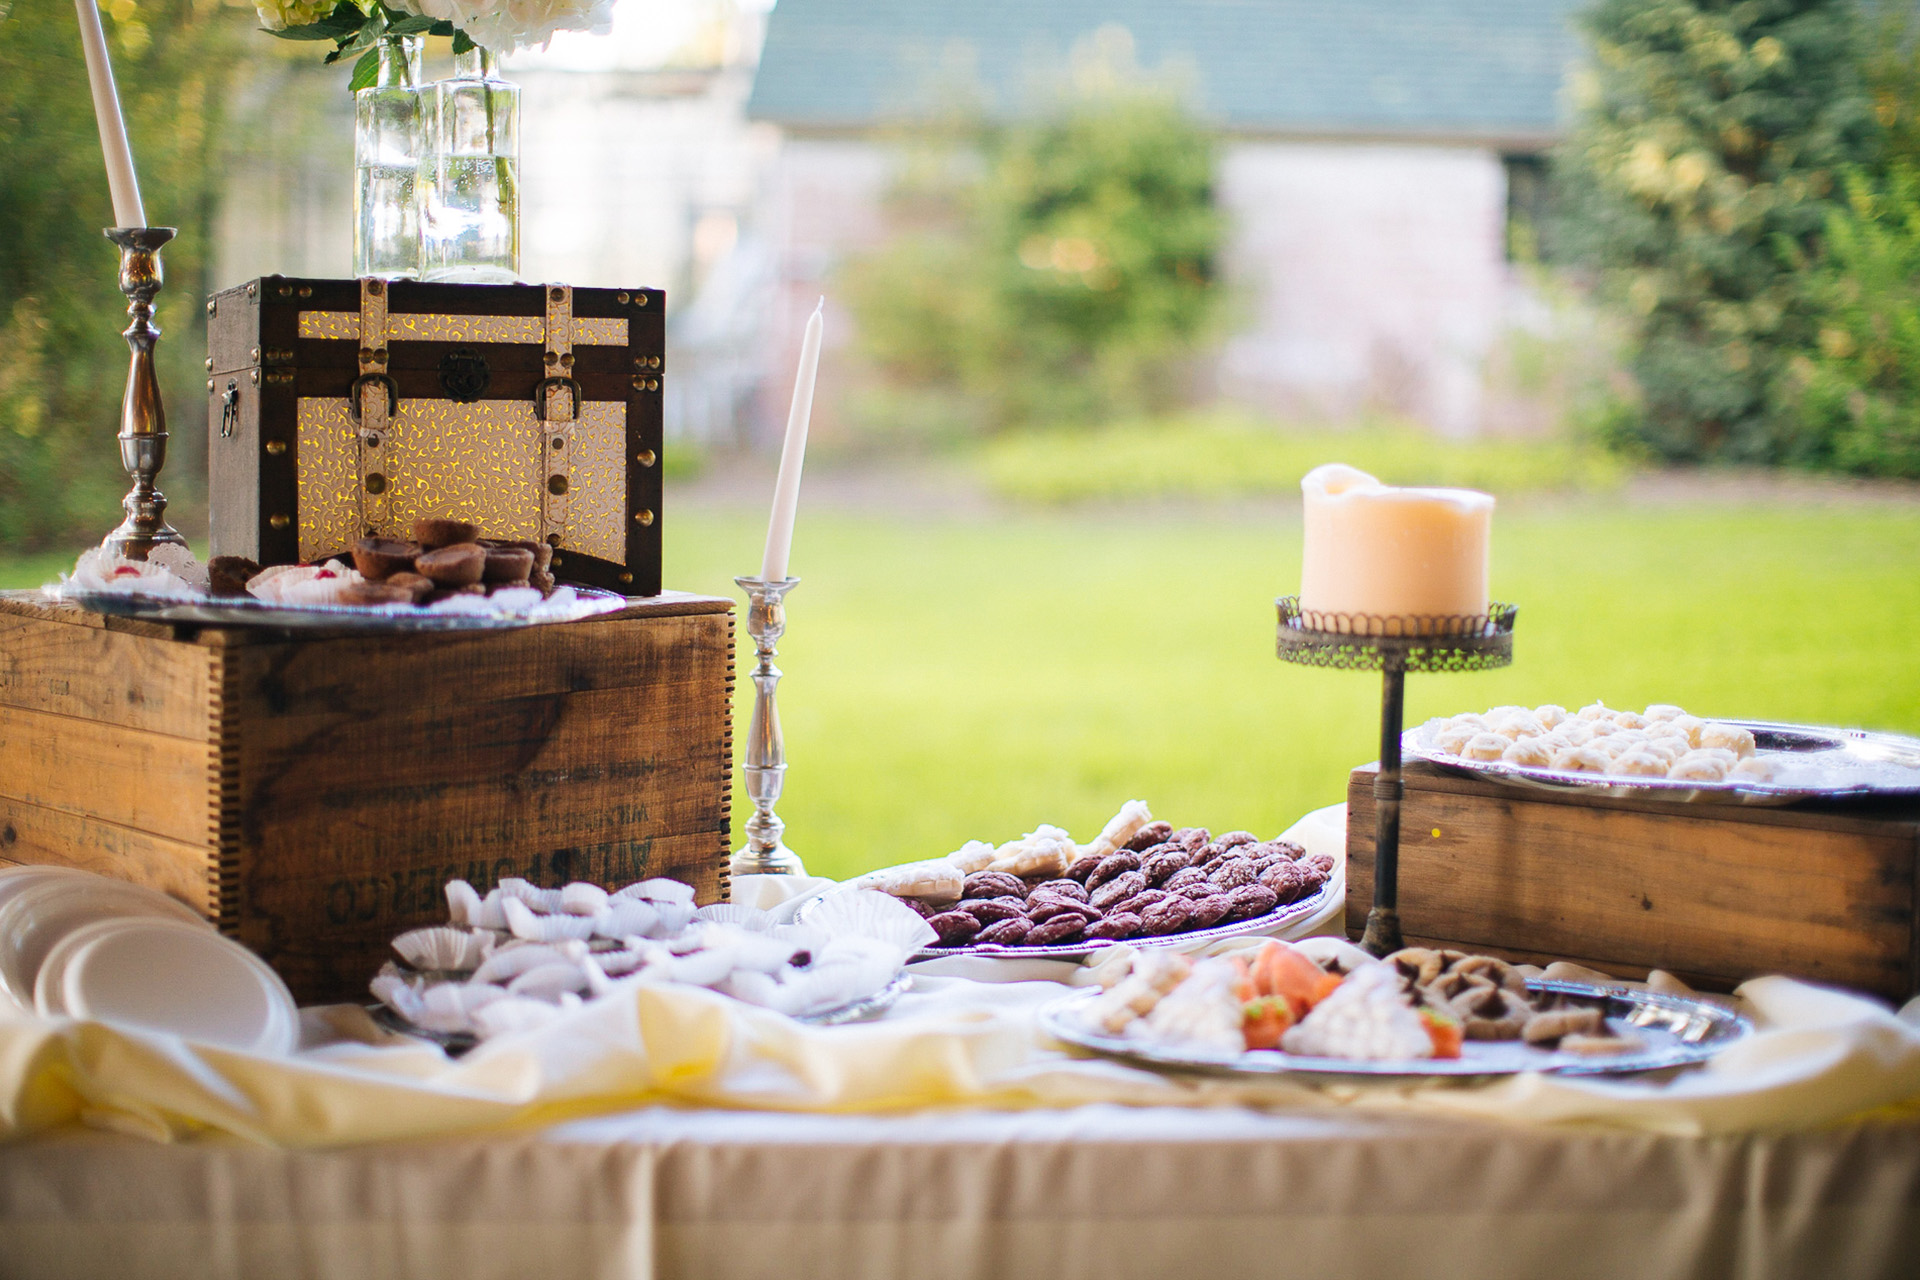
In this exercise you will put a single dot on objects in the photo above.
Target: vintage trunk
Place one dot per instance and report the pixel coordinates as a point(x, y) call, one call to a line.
point(1713, 893)
point(338, 409)
point(313, 795)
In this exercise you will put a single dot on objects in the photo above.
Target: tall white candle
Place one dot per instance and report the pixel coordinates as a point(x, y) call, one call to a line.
point(127, 209)
point(1375, 549)
point(786, 490)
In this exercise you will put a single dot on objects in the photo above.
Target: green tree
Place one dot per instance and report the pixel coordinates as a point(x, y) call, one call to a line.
point(1707, 159)
point(62, 363)
point(1059, 268)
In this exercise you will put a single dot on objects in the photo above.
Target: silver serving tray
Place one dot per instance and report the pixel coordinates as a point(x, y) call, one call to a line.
point(1278, 918)
point(245, 611)
point(1843, 764)
point(1678, 1030)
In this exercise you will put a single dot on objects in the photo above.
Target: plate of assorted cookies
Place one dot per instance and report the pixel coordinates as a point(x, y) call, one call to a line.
point(1140, 881)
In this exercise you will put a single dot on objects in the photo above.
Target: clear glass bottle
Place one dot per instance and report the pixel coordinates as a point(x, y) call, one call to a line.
point(472, 176)
point(389, 135)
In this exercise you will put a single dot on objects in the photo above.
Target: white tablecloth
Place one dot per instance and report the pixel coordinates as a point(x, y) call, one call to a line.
point(1100, 1192)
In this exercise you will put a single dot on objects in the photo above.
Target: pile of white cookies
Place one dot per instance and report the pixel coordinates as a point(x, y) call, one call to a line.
point(1661, 742)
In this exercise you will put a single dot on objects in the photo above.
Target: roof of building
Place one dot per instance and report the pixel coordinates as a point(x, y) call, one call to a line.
point(1488, 69)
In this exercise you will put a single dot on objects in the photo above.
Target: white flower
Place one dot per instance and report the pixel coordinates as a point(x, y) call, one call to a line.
point(505, 25)
point(278, 15)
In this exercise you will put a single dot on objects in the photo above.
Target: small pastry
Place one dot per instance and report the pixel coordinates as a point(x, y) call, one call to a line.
point(374, 593)
point(380, 558)
point(1533, 752)
point(1660, 712)
point(1518, 725)
point(1593, 1046)
point(1575, 733)
point(1639, 764)
point(1752, 769)
point(1629, 719)
point(434, 534)
point(1485, 746)
point(506, 564)
point(1726, 737)
point(414, 584)
point(1449, 739)
point(1148, 836)
point(1698, 766)
point(1581, 760)
point(1546, 1029)
point(1668, 749)
point(459, 565)
point(229, 575)
point(1552, 715)
point(1594, 711)
point(1690, 726)
point(542, 581)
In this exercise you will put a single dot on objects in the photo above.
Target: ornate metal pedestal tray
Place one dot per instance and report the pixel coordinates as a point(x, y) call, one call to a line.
point(1392, 646)
point(244, 611)
point(1675, 1030)
point(1272, 922)
point(1815, 763)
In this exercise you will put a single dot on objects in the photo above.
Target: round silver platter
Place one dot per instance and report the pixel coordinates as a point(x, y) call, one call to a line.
point(1275, 920)
point(1678, 1031)
point(244, 611)
point(1819, 764)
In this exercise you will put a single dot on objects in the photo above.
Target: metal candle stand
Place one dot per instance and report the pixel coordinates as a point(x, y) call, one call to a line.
point(143, 420)
point(1392, 646)
point(765, 853)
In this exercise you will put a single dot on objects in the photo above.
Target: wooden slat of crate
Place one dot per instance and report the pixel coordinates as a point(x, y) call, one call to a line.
point(30, 833)
point(1716, 894)
point(152, 781)
point(158, 688)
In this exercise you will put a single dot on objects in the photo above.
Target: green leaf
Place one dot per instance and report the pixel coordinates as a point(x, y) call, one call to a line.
point(412, 25)
point(329, 28)
point(463, 43)
point(364, 71)
point(441, 28)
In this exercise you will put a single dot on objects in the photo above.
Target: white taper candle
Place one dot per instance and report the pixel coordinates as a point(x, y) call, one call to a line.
point(786, 490)
point(127, 209)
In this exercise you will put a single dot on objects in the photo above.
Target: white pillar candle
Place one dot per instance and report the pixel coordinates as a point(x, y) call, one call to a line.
point(127, 209)
point(1372, 548)
point(786, 490)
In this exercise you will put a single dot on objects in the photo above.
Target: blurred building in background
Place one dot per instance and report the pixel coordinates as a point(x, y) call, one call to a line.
point(1378, 157)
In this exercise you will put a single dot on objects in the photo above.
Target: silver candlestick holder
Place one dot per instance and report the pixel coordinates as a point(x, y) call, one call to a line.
point(765, 852)
point(143, 420)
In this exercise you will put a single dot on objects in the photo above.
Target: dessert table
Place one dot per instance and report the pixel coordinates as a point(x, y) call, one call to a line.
point(1096, 1191)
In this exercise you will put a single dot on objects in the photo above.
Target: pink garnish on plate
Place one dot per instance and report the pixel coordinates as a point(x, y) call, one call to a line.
point(126, 571)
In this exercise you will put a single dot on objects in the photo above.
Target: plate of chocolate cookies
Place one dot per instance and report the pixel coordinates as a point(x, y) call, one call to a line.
point(1159, 886)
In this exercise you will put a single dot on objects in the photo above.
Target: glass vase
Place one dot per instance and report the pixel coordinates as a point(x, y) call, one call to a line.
point(472, 176)
point(389, 135)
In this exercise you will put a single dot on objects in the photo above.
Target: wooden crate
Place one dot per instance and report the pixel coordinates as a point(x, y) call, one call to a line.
point(313, 795)
point(1713, 893)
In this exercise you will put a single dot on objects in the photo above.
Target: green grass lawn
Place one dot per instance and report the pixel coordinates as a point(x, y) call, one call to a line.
point(952, 677)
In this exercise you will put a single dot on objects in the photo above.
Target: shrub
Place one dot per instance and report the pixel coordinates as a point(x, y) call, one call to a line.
point(1059, 269)
point(1703, 170)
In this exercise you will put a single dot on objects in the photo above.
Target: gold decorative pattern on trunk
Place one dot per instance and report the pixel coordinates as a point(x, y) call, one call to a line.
point(588, 332)
point(480, 462)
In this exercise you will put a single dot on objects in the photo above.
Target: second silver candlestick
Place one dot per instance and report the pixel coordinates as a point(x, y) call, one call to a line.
point(765, 852)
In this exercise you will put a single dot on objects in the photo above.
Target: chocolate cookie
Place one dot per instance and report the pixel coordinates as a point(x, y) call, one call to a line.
point(1233, 839)
point(1208, 911)
point(1287, 881)
point(1168, 916)
point(1114, 928)
point(1083, 866)
point(1112, 865)
point(993, 884)
point(1179, 880)
point(1010, 932)
point(1042, 908)
point(1160, 866)
point(1189, 838)
point(1118, 889)
point(1066, 888)
point(1062, 928)
point(925, 910)
point(1208, 854)
point(992, 910)
point(956, 928)
point(1250, 900)
point(1321, 862)
point(1231, 873)
point(1148, 836)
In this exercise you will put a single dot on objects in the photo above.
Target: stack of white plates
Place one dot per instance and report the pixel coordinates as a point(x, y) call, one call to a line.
point(85, 946)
